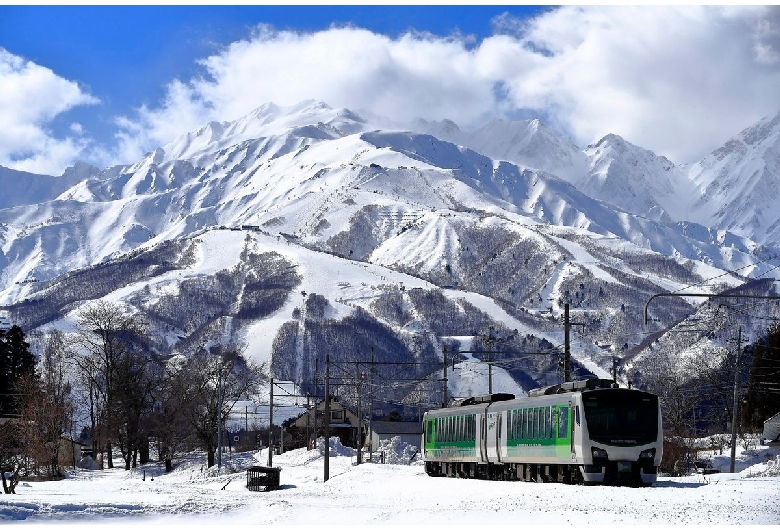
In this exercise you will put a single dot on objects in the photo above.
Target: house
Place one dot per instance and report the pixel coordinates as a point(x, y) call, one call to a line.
point(772, 429)
point(410, 432)
point(303, 430)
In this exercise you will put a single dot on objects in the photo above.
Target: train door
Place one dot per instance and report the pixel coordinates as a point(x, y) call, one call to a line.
point(493, 436)
point(572, 421)
point(481, 437)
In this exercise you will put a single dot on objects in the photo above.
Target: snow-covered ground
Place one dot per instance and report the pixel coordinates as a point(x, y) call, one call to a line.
point(394, 493)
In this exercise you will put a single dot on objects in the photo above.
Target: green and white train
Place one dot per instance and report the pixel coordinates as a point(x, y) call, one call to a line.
point(582, 432)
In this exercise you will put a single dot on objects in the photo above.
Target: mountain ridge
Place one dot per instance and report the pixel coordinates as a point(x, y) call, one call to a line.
point(326, 182)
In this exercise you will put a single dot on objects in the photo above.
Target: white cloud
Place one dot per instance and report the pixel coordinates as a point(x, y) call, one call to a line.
point(677, 80)
point(31, 96)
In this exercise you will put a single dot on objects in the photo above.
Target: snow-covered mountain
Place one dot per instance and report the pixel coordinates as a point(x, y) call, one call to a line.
point(739, 184)
point(636, 180)
point(397, 237)
point(529, 144)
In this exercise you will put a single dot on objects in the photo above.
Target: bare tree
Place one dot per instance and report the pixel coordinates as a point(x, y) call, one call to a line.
point(664, 375)
point(12, 460)
point(109, 354)
point(168, 421)
point(212, 382)
point(46, 407)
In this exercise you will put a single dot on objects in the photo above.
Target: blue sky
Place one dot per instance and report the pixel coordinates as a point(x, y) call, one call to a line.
point(125, 55)
point(106, 84)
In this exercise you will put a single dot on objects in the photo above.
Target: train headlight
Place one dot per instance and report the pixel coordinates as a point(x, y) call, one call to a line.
point(598, 453)
point(647, 453)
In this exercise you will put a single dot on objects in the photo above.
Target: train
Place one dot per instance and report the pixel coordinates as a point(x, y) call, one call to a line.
point(579, 432)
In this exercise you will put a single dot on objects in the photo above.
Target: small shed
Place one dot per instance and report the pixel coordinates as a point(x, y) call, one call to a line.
point(410, 432)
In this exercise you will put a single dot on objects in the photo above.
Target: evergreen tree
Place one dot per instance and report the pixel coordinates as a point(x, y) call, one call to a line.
point(16, 361)
point(763, 396)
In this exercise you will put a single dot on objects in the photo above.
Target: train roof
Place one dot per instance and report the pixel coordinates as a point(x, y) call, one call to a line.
point(476, 400)
point(552, 390)
point(573, 386)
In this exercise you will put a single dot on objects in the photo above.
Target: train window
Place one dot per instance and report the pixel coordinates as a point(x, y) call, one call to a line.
point(510, 424)
point(534, 423)
point(454, 425)
point(549, 432)
point(547, 423)
point(538, 424)
point(563, 422)
point(523, 418)
point(540, 431)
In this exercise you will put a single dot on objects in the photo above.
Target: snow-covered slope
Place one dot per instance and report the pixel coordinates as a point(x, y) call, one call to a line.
point(361, 211)
point(636, 180)
point(740, 184)
point(529, 144)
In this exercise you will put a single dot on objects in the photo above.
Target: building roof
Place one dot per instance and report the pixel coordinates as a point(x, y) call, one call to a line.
point(396, 427)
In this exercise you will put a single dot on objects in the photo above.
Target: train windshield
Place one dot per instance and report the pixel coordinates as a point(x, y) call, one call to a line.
point(621, 416)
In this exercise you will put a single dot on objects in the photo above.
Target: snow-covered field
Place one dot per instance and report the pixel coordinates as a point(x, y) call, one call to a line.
point(387, 494)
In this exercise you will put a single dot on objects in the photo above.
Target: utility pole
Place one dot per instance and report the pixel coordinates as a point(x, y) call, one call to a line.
point(614, 368)
point(371, 408)
point(490, 360)
point(567, 324)
point(316, 393)
point(308, 426)
point(491, 340)
point(219, 418)
point(444, 366)
point(735, 412)
point(566, 346)
point(360, 419)
point(327, 418)
point(271, 425)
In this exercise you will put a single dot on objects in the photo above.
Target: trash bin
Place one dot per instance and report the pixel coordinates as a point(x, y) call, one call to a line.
point(263, 478)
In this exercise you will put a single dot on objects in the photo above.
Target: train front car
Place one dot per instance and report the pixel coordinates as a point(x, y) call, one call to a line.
point(621, 438)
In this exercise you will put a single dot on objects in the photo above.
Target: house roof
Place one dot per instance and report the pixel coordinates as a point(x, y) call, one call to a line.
point(396, 427)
